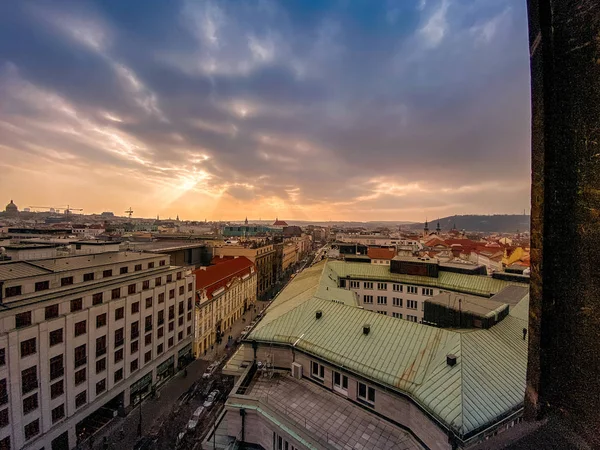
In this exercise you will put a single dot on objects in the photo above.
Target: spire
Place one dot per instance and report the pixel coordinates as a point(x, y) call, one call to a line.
point(438, 229)
point(246, 221)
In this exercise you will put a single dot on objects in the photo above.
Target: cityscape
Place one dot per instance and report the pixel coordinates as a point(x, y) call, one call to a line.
point(299, 225)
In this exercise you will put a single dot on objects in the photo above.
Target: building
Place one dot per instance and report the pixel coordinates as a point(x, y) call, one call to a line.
point(250, 230)
point(84, 333)
point(381, 255)
point(320, 371)
point(261, 253)
point(290, 255)
point(11, 210)
point(223, 293)
point(187, 252)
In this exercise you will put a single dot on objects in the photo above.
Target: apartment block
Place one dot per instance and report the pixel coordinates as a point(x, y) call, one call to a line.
point(86, 332)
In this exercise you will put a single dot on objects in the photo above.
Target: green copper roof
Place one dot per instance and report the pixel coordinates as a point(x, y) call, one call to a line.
point(487, 381)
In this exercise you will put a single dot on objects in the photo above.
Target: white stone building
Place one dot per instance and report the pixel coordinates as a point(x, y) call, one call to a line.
point(85, 332)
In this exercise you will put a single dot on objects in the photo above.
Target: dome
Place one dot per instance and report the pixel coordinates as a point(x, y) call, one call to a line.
point(11, 207)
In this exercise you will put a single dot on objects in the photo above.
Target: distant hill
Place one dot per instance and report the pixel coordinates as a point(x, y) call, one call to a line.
point(499, 223)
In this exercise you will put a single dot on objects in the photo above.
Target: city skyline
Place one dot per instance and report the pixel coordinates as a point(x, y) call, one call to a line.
point(267, 109)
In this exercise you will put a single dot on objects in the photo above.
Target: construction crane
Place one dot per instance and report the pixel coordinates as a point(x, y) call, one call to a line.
point(57, 209)
point(130, 212)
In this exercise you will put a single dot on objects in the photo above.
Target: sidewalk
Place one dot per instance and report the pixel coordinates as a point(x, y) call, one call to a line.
point(154, 411)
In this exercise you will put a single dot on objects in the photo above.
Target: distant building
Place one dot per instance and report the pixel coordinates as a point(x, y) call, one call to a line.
point(11, 210)
point(86, 336)
point(381, 255)
point(290, 255)
point(223, 293)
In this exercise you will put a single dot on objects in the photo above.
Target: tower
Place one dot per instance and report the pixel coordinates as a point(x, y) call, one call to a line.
point(426, 229)
point(438, 229)
point(246, 221)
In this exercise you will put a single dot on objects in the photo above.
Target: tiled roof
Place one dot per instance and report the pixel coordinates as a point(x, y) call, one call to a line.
point(487, 382)
point(380, 253)
point(214, 277)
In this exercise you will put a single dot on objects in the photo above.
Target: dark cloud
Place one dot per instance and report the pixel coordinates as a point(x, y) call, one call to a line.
point(336, 108)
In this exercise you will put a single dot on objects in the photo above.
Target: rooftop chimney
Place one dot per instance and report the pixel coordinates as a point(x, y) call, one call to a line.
point(366, 329)
point(319, 314)
point(451, 360)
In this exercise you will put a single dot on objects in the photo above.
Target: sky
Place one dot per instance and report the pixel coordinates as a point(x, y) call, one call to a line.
point(297, 109)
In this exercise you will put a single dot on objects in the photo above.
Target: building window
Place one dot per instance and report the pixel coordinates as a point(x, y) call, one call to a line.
point(190, 287)
point(171, 312)
point(79, 377)
point(397, 301)
point(76, 304)
point(170, 342)
point(107, 273)
point(118, 375)
point(80, 399)
point(100, 386)
point(181, 309)
point(171, 294)
point(162, 262)
point(131, 289)
point(135, 329)
point(151, 265)
point(42, 285)
point(412, 318)
point(97, 298)
point(189, 330)
point(119, 337)
point(146, 285)
point(381, 300)
point(428, 292)
point(397, 315)
point(80, 328)
point(133, 366)
point(2, 356)
point(23, 319)
point(397, 287)
point(149, 302)
point(29, 380)
point(382, 286)
point(384, 313)
point(180, 322)
point(123, 270)
point(115, 293)
point(148, 323)
point(179, 336)
point(30, 403)
point(317, 370)
point(28, 347)
point(147, 356)
point(148, 339)
point(101, 365)
point(366, 393)
point(66, 281)
point(100, 346)
point(161, 298)
point(135, 308)
point(3, 422)
point(137, 267)
point(58, 413)
point(179, 275)
point(134, 346)
point(120, 313)
point(368, 299)
point(181, 290)
point(3, 392)
point(368, 285)
point(88, 276)
point(32, 429)
point(161, 317)
point(57, 367)
point(159, 349)
point(80, 355)
point(57, 389)
point(412, 304)
point(100, 320)
point(169, 278)
point(12, 291)
point(158, 281)
point(340, 382)
point(412, 289)
point(160, 333)
point(119, 355)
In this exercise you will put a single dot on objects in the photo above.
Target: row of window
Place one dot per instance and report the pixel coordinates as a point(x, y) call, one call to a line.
point(395, 287)
point(364, 393)
point(24, 319)
point(13, 291)
point(382, 300)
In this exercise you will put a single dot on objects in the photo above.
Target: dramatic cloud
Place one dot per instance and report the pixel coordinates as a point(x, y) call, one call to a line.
point(227, 109)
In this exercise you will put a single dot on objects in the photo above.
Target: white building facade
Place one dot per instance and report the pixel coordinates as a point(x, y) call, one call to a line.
point(85, 332)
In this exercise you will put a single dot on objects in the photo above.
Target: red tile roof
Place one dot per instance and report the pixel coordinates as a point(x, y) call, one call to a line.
point(214, 277)
point(281, 223)
point(380, 253)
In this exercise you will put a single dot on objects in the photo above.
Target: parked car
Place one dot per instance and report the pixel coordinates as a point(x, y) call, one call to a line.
point(209, 370)
point(208, 388)
point(198, 413)
point(212, 398)
point(193, 423)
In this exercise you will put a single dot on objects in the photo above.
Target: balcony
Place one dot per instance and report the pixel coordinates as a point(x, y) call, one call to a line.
point(100, 351)
point(57, 373)
point(119, 342)
point(135, 334)
point(29, 386)
point(80, 361)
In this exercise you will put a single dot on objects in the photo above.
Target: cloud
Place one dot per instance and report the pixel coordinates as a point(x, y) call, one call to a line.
point(221, 109)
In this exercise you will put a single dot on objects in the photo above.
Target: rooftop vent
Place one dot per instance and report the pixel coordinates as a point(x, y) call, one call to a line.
point(451, 360)
point(319, 314)
point(366, 329)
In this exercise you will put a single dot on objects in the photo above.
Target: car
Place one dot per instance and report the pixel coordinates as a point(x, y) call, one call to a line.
point(193, 423)
point(208, 388)
point(198, 413)
point(212, 397)
point(209, 370)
